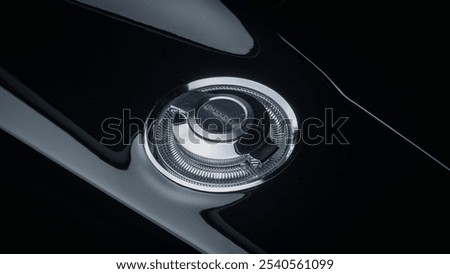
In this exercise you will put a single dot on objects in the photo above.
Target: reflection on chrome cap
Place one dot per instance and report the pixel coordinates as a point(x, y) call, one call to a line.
point(221, 134)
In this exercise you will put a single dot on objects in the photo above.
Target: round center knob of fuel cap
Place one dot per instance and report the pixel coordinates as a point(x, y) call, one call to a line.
point(222, 118)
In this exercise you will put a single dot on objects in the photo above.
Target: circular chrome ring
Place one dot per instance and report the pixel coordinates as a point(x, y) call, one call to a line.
point(204, 85)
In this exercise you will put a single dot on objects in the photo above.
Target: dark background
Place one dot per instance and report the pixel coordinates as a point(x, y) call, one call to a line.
point(391, 59)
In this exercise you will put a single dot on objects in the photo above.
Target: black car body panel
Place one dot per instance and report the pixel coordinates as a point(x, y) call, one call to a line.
point(362, 193)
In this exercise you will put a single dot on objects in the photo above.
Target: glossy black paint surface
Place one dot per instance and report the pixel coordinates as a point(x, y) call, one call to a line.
point(361, 197)
point(47, 209)
point(385, 57)
point(204, 22)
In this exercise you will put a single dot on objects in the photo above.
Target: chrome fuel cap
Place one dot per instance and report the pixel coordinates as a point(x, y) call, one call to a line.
point(221, 134)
